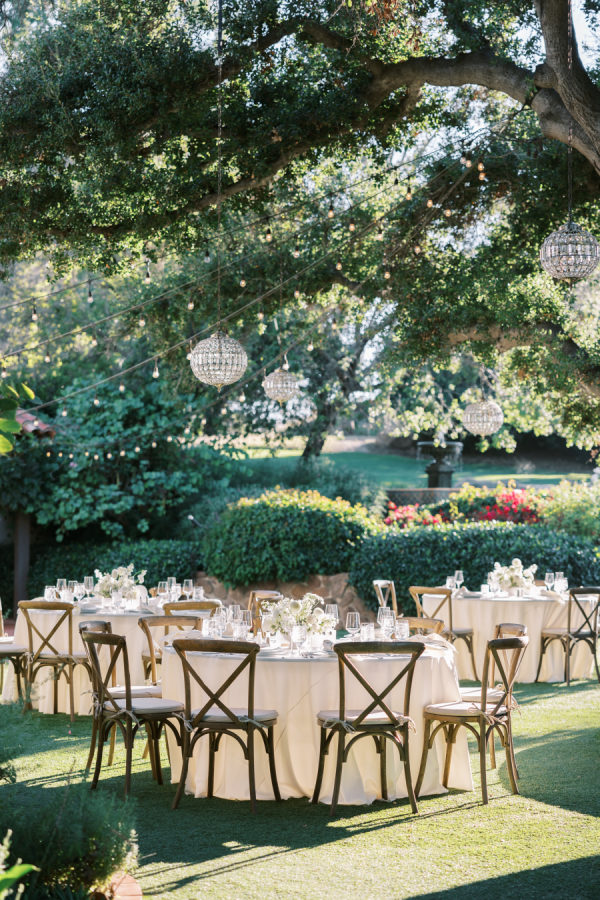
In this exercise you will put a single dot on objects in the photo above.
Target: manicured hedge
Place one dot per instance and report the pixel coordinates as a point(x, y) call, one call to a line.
point(428, 555)
point(285, 535)
point(75, 560)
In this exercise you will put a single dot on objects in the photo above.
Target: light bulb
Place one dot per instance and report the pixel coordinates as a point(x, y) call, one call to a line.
point(480, 166)
point(94, 341)
point(122, 388)
point(60, 453)
point(137, 448)
point(447, 213)
point(154, 445)
point(429, 202)
point(338, 265)
point(468, 162)
point(380, 233)
point(141, 322)
point(260, 315)
point(36, 422)
point(188, 355)
point(96, 457)
point(190, 304)
point(296, 293)
point(96, 401)
point(207, 257)
point(4, 372)
point(417, 248)
point(330, 212)
point(90, 296)
point(70, 456)
point(122, 453)
point(109, 455)
point(169, 438)
point(48, 453)
point(64, 412)
point(296, 251)
point(269, 234)
point(463, 160)
point(47, 357)
point(87, 453)
point(242, 282)
point(34, 315)
point(352, 225)
point(387, 274)
point(310, 347)
point(147, 277)
point(155, 373)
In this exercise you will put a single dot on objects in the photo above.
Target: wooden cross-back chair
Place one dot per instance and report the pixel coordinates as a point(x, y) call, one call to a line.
point(42, 652)
point(582, 627)
point(119, 707)
point(491, 712)
point(385, 591)
point(422, 624)
point(13, 653)
point(444, 607)
point(378, 719)
point(255, 602)
point(150, 625)
point(214, 718)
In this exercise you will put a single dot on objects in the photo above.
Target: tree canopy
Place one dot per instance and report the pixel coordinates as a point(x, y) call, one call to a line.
point(434, 131)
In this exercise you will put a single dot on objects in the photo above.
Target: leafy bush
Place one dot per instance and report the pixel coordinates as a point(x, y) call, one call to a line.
point(285, 535)
point(74, 560)
point(427, 556)
point(572, 507)
point(504, 503)
point(411, 515)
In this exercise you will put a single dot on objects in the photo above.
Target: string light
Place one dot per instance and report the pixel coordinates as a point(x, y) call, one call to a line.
point(429, 202)
point(154, 445)
point(48, 453)
point(242, 282)
point(155, 373)
point(207, 257)
point(380, 233)
point(480, 166)
point(96, 400)
point(60, 454)
point(338, 265)
point(387, 274)
point(468, 162)
point(170, 438)
point(147, 277)
point(47, 357)
point(121, 388)
point(296, 250)
point(109, 455)
point(408, 191)
point(64, 411)
point(137, 448)
point(34, 315)
point(142, 322)
point(96, 457)
point(87, 453)
point(269, 234)
point(121, 453)
point(447, 213)
point(482, 176)
point(90, 296)
point(70, 456)
point(330, 211)
point(352, 225)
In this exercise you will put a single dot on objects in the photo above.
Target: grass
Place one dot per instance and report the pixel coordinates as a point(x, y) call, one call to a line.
point(541, 844)
point(393, 471)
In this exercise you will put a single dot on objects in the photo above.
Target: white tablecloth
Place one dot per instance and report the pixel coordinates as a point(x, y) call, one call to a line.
point(482, 612)
point(42, 696)
point(298, 688)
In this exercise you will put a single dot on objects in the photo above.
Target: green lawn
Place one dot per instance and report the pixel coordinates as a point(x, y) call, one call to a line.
point(541, 844)
point(403, 472)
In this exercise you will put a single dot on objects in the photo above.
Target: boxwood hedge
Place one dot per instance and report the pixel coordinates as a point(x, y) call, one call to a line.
point(285, 536)
point(428, 555)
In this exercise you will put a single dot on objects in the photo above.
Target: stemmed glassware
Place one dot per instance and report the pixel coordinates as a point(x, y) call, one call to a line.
point(188, 588)
point(171, 582)
point(162, 593)
point(79, 590)
point(458, 578)
point(549, 580)
point(61, 586)
point(385, 620)
point(88, 583)
point(331, 609)
point(353, 623)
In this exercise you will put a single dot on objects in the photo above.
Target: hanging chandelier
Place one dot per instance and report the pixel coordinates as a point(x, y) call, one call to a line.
point(280, 385)
point(483, 417)
point(219, 359)
point(571, 252)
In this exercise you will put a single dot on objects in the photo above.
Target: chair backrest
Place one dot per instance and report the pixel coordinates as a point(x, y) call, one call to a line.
point(443, 596)
point(178, 606)
point(149, 624)
point(255, 602)
point(505, 653)
point(214, 697)
point(423, 624)
point(583, 615)
point(504, 630)
point(45, 636)
point(386, 591)
point(103, 681)
point(1, 620)
point(377, 703)
point(100, 625)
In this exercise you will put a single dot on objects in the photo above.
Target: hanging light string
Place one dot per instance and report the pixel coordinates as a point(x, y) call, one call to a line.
point(570, 139)
point(219, 150)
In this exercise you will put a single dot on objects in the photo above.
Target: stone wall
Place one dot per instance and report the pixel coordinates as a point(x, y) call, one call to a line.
point(333, 589)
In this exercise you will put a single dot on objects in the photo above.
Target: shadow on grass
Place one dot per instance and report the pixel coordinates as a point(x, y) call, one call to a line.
point(581, 875)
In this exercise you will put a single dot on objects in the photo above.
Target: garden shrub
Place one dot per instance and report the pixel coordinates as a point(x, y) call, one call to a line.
point(428, 555)
point(572, 507)
point(286, 536)
point(75, 560)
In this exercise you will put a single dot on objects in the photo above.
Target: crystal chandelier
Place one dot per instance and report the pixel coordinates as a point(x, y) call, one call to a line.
point(483, 417)
point(280, 385)
point(219, 359)
point(571, 252)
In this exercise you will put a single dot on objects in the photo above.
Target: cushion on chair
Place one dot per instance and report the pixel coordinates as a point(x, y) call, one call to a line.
point(467, 708)
point(148, 705)
point(557, 631)
point(217, 716)
point(10, 649)
point(462, 631)
point(377, 717)
point(474, 693)
point(137, 690)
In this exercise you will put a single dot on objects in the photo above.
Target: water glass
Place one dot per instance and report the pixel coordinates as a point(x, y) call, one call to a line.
point(171, 581)
point(176, 591)
point(116, 599)
point(367, 631)
point(385, 620)
point(458, 578)
point(245, 617)
point(331, 609)
point(49, 592)
point(402, 630)
point(61, 585)
point(298, 637)
point(79, 590)
point(353, 623)
point(240, 632)
point(88, 583)
point(188, 587)
point(549, 580)
point(198, 593)
point(450, 582)
point(233, 612)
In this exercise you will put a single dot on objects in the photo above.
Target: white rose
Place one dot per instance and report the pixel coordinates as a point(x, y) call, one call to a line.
point(318, 613)
point(295, 606)
point(516, 563)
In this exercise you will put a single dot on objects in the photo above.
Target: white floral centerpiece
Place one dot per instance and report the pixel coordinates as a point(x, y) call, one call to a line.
point(282, 615)
point(514, 577)
point(120, 579)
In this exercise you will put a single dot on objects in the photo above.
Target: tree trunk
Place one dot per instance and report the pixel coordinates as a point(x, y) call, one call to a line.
point(21, 557)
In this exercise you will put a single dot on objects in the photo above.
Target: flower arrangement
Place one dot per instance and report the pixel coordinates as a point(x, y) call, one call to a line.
point(411, 515)
point(282, 615)
point(514, 576)
point(120, 579)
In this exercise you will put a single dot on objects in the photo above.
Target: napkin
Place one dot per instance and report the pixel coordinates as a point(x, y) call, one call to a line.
point(433, 640)
point(552, 595)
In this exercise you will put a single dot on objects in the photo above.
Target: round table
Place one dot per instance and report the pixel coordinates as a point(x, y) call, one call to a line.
point(298, 688)
point(482, 612)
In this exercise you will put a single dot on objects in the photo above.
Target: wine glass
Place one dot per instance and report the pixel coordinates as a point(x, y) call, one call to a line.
point(188, 587)
point(549, 580)
point(176, 591)
point(79, 590)
point(233, 612)
point(245, 617)
point(88, 583)
point(116, 598)
point(61, 586)
point(171, 581)
point(458, 578)
point(353, 623)
point(385, 620)
point(331, 609)
point(298, 637)
point(162, 593)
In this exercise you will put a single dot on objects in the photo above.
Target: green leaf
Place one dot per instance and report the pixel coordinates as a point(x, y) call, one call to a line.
point(10, 388)
point(27, 391)
point(7, 405)
point(10, 425)
point(14, 874)
point(5, 445)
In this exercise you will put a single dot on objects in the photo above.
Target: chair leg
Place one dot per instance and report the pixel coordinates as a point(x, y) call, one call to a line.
point(20, 692)
point(319, 781)
point(101, 739)
point(510, 761)
point(338, 772)
point(424, 753)
point(251, 775)
point(156, 746)
point(185, 758)
point(211, 765)
point(543, 646)
point(512, 747)
point(128, 755)
point(595, 654)
point(272, 769)
point(383, 767)
point(149, 749)
point(568, 648)
point(492, 748)
point(70, 672)
point(146, 749)
point(90, 758)
point(469, 640)
point(449, 747)
point(482, 766)
point(113, 740)
point(55, 691)
point(408, 777)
